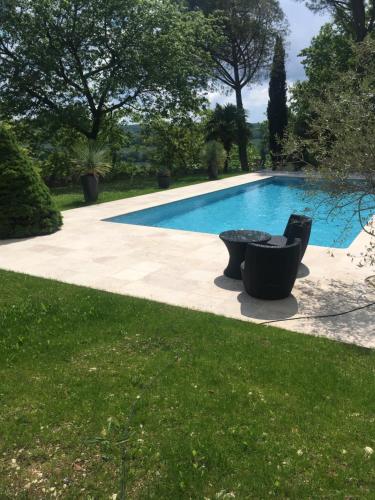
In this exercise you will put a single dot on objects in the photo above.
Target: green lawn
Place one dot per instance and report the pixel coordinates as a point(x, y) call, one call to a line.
point(101, 393)
point(72, 197)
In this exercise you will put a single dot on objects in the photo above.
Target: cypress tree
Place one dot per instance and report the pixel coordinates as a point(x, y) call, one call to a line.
point(277, 111)
point(26, 206)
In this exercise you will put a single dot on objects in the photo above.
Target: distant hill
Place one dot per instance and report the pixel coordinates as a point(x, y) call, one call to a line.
point(256, 134)
point(255, 128)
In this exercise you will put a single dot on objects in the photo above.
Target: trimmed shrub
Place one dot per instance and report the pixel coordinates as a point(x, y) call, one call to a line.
point(26, 207)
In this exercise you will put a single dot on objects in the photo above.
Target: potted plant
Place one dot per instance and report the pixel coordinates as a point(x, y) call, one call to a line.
point(164, 178)
point(92, 160)
point(213, 158)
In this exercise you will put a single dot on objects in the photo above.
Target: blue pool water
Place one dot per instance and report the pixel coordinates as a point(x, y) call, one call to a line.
point(262, 205)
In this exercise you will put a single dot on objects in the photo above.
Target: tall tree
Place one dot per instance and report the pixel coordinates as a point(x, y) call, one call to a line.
point(328, 55)
point(83, 61)
point(248, 31)
point(342, 139)
point(277, 110)
point(357, 17)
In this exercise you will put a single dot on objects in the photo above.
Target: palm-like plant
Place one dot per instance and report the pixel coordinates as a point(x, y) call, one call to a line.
point(223, 126)
point(92, 158)
point(213, 157)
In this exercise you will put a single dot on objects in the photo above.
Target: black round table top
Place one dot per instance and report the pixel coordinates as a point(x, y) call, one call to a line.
point(245, 236)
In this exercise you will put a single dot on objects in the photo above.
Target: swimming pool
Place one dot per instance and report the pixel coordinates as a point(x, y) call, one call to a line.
point(262, 205)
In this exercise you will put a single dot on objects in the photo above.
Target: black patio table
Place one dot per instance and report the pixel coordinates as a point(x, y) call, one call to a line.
point(236, 241)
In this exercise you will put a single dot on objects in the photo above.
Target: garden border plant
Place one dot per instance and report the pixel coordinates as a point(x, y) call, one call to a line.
point(26, 206)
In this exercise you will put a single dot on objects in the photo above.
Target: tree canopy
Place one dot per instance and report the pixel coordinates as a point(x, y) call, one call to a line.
point(357, 17)
point(248, 31)
point(175, 143)
point(341, 135)
point(222, 126)
point(329, 54)
point(83, 61)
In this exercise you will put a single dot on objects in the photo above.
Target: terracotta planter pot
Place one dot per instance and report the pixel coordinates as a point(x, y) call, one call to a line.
point(90, 187)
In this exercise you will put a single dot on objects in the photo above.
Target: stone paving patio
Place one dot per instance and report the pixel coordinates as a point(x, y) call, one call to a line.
point(185, 268)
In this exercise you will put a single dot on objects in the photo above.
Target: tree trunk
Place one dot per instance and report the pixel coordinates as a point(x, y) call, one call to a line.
point(95, 127)
point(242, 136)
point(241, 131)
point(359, 19)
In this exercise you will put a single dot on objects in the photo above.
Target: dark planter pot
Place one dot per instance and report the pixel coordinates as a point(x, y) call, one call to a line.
point(164, 180)
point(90, 187)
point(213, 174)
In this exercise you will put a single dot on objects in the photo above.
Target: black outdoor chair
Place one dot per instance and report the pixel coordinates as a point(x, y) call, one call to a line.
point(269, 272)
point(298, 226)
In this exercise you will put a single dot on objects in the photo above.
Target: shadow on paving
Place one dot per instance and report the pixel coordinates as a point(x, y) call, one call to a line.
point(315, 298)
point(13, 240)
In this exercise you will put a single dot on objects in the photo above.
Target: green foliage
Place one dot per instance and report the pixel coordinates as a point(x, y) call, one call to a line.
point(26, 207)
point(50, 145)
point(253, 155)
point(329, 55)
point(132, 170)
point(100, 389)
point(247, 34)
point(355, 17)
point(342, 134)
point(91, 157)
point(213, 157)
point(57, 169)
point(84, 62)
point(277, 110)
point(53, 146)
point(223, 126)
point(53, 150)
point(264, 143)
point(137, 181)
point(174, 143)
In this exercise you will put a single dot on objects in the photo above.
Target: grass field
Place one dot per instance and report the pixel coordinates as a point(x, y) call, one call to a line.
point(72, 197)
point(103, 394)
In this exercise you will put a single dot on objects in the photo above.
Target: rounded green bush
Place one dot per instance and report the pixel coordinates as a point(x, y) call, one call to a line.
point(26, 206)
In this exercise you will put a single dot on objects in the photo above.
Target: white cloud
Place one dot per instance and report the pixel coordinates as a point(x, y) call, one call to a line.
point(255, 100)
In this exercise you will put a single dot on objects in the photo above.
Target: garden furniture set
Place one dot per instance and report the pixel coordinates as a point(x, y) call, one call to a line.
point(267, 264)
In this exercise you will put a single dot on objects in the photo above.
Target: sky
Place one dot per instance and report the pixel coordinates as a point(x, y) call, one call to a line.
point(303, 26)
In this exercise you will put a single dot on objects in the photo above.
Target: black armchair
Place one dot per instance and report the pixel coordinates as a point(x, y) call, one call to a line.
point(298, 226)
point(269, 272)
